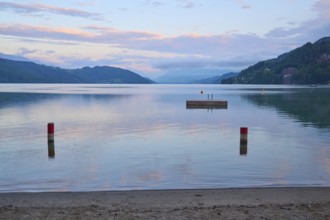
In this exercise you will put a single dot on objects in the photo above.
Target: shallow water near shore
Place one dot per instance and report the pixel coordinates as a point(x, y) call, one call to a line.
point(126, 137)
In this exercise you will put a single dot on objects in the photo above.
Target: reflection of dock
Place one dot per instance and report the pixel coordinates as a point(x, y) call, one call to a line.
point(213, 104)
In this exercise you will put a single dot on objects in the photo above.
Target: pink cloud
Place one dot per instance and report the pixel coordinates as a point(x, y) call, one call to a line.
point(307, 31)
point(104, 33)
point(221, 50)
point(42, 8)
point(323, 8)
point(227, 45)
point(44, 32)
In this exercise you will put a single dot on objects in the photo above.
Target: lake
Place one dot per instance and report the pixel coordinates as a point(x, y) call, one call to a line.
point(128, 137)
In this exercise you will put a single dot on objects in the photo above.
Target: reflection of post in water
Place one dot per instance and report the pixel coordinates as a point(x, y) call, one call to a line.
point(243, 141)
point(51, 144)
point(51, 149)
point(243, 147)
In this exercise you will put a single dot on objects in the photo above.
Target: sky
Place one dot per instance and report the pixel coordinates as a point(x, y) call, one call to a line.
point(152, 37)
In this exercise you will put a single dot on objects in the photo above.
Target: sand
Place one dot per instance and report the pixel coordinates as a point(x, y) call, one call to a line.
point(254, 203)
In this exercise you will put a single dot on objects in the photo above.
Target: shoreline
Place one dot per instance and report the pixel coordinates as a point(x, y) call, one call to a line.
point(230, 203)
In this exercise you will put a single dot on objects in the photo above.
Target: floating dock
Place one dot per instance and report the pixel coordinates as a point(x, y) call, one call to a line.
point(206, 104)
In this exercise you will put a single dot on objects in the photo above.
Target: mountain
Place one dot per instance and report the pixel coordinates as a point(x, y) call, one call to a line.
point(309, 64)
point(28, 72)
point(187, 75)
point(106, 74)
point(13, 57)
point(216, 79)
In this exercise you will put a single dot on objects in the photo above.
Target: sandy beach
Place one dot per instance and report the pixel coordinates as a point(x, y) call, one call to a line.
point(253, 203)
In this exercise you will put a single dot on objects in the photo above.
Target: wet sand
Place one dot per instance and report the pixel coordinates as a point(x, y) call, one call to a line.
point(253, 203)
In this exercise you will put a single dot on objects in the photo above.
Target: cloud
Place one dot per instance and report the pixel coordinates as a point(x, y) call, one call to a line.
point(148, 51)
point(25, 52)
point(323, 8)
point(154, 3)
point(37, 9)
point(308, 30)
point(206, 50)
point(44, 32)
point(186, 4)
point(183, 3)
point(108, 35)
point(243, 4)
point(42, 41)
point(203, 45)
point(89, 2)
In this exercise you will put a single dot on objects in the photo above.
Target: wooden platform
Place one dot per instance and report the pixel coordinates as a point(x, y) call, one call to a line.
point(206, 104)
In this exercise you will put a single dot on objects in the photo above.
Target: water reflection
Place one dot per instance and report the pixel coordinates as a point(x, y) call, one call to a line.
point(243, 147)
point(148, 140)
point(23, 99)
point(51, 149)
point(308, 106)
point(207, 107)
point(13, 99)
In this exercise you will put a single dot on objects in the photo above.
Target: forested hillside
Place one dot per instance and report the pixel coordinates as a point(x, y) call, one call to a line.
point(29, 72)
point(309, 64)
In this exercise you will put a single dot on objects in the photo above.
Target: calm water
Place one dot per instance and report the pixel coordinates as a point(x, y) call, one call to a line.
point(125, 137)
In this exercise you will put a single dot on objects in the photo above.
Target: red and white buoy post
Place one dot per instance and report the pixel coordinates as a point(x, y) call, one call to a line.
point(51, 131)
point(243, 141)
point(51, 145)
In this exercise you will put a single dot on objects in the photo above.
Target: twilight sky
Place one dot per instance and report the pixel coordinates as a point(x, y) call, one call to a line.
point(151, 37)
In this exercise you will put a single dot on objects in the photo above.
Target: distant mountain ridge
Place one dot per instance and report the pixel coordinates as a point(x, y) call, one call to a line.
point(188, 75)
point(308, 64)
point(28, 72)
point(13, 57)
point(216, 79)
